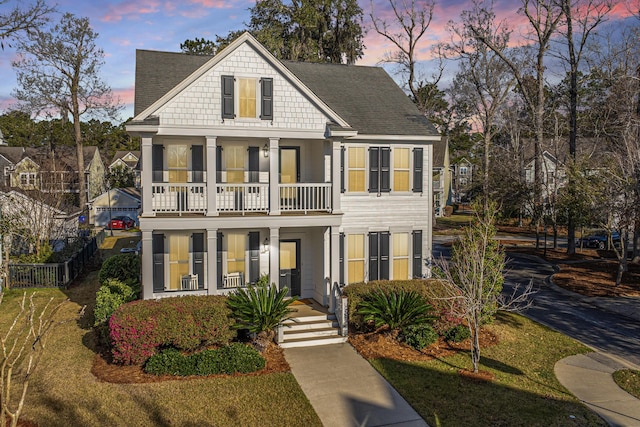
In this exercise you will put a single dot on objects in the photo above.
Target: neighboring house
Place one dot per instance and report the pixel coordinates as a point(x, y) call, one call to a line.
point(462, 180)
point(51, 170)
point(315, 174)
point(129, 160)
point(552, 172)
point(115, 202)
point(441, 176)
point(39, 215)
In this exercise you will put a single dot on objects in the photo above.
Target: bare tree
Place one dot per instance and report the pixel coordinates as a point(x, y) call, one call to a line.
point(22, 345)
point(411, 21)
point(483, 81)
point(581, 18)
point(22, 20)
point(543, 17)
point(473, 278)
point(59, 73)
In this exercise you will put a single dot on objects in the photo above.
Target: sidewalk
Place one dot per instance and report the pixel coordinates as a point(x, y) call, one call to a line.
point(345, 390)
point(589, 376)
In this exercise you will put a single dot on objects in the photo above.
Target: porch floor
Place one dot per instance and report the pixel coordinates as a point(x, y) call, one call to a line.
point(308, 307)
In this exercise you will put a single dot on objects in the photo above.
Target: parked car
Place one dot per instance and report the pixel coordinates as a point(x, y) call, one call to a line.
point(121, 223)
point(598, 240)
point(136, 250)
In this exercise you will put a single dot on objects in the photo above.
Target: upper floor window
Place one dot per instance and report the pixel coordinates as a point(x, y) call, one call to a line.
point(463, 170)
point(234, 159)
point(356, 169)
point(401, 169)
point(254, 97)
point(177, 162)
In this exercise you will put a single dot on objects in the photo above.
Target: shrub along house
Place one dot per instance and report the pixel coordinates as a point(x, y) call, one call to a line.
point(315, 174)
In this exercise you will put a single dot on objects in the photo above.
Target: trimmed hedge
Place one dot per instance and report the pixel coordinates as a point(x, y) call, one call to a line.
point(111, 295)
point(229, 359)
point(124, 267)
point(430, 289)
point(140, 328)
point(419, 336)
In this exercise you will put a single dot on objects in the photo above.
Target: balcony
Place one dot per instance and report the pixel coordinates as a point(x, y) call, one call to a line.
point(191, 198)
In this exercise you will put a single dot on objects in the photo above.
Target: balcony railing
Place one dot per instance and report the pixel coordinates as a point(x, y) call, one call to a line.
point(305, 197)
point(183, 198)
point(242, 198)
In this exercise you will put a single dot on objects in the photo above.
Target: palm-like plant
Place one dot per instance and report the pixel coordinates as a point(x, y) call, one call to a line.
point(395, 310)
point(260, 309)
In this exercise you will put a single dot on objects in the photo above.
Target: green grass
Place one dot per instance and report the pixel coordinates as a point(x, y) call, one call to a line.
point(63, 392)
point(524, 392)
point(454, 221)
point(628, 380)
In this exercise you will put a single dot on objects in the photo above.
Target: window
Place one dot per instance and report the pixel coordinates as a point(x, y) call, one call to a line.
point(177, 162)
point(178, 260)
point(235, 253)
point(234, 158)
point(355, 257)
point(463, 170)
point(247, 98)
point(27, 178)
point(400, 256)
point(356, 169)
point(401, 169)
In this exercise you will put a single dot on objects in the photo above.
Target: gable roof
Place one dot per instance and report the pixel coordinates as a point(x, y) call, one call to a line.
point(121, 154)
point(365, 98)
point(12, 154)
point(439, 152)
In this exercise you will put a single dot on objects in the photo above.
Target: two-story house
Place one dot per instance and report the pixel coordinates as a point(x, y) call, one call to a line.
point(462, 180)
point(441, 176)
point(315, 174)
point(128, 160)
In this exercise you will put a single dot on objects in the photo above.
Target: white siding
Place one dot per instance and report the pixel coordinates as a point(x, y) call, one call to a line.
point(199, 105)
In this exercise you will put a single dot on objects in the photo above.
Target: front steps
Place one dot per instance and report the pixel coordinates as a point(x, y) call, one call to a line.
point(307, 331)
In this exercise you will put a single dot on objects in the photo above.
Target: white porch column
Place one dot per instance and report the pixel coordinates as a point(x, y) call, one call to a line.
point(335, 177)
point(147, 265)
point(212, 261)
point(326, 268)
point(211, 176)
point(146, 175)
point(274, 256)
point(335, 265)
point(274, 178)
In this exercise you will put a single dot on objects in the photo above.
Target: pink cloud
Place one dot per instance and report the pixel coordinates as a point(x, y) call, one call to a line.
point(130, 10)
point(125, 95)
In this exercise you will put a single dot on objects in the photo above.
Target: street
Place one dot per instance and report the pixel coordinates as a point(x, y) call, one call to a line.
point(603, 330)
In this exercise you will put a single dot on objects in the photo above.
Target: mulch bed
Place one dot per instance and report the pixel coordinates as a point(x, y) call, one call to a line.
point(597, 279)
point(383, 346)
point(105, 371)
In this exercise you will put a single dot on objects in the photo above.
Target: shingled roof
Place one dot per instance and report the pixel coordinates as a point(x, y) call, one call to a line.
point(365, 97)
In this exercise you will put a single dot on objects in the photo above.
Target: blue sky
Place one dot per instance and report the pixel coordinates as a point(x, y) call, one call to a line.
point(126, 25)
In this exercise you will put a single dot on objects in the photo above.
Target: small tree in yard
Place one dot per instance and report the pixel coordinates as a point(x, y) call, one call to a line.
point(473, 278)
point(21, 347)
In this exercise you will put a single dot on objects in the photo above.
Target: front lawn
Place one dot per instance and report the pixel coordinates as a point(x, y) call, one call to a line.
point(64, 392)
point(524, 391)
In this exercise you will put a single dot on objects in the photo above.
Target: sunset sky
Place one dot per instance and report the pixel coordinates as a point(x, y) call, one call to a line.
point(126, 25)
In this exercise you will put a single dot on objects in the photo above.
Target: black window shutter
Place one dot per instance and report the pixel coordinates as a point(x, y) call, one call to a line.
point(417, 170)
point(158, 262)
point(342, 189)
point(254, 256)
point(157, 152)
point(417, 254)
point(341, 262)
point(254, 164)
point(198, 257)
point(218, 164)
point(373, 256)
point(384, 256)
point(266, 93)
point(219, 259)
point(385, 169)
point(197, 163)
point(374, 169)
point(227, 97)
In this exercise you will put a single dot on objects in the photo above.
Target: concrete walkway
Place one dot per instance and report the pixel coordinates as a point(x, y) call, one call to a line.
point(588, 377)
point(345, 390)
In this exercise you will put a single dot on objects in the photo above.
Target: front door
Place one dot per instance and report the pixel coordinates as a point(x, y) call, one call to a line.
point(289, 174)
point(290, 266)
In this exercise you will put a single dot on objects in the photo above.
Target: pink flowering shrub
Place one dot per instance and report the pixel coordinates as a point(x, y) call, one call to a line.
point(137, 330)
